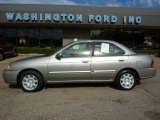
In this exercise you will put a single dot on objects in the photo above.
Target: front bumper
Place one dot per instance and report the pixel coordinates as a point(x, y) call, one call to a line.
point(147, 73)
point(10, 77)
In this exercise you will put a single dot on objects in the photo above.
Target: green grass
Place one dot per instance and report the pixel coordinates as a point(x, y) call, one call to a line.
point(38, 50)
point(153, 52)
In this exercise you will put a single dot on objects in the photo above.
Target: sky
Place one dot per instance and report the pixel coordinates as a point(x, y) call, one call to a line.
point(113, 3)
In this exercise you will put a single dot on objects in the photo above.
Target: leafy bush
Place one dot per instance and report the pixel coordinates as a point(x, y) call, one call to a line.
point(153, 52)
point(38, 50)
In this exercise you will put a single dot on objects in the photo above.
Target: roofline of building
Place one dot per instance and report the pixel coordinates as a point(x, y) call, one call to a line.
point(97, 6)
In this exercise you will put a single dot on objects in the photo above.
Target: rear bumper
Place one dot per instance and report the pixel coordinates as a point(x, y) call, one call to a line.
point(10, 77)
point(147, 73)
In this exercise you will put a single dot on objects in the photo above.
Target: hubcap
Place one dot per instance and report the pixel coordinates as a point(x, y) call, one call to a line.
point(127, 80)
point(30, 82)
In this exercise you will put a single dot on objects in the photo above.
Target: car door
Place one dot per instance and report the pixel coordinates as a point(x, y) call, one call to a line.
point(107, 59)
point(74, 64)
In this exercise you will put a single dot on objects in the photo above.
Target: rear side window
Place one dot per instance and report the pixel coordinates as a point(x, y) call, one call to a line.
point(107, 49)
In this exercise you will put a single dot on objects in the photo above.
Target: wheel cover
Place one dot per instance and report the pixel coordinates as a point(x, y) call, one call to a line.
point(127, 80)
point(30, 82)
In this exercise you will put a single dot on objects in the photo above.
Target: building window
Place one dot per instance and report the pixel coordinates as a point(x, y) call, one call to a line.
point(31, 37)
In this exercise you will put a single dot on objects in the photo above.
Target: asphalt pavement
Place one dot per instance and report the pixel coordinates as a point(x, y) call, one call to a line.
point(80, 101)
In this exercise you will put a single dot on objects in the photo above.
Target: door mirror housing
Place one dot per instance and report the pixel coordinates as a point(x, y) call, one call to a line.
point(59, 56)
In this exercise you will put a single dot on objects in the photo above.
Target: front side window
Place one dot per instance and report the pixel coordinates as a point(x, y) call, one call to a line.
point(107, 49)
point(78, 50)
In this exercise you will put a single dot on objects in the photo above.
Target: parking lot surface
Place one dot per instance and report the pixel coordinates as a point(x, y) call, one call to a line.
point(80, 101)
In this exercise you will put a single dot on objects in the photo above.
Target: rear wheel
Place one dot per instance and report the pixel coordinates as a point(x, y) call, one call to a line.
point(1, 57)
point(31, 81)
point(126, 80)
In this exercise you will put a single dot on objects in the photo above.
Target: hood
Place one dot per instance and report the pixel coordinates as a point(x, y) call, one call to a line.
point(30, 62)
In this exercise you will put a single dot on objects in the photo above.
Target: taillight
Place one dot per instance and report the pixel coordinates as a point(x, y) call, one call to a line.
point(152, 64)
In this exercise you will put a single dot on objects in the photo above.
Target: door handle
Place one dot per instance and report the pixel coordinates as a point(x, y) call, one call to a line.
point(120, 60)
point(84, 61)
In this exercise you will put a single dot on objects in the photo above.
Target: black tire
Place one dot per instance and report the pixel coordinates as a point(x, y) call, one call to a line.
point(37, 76)
point(124, 78)
point(1, 57)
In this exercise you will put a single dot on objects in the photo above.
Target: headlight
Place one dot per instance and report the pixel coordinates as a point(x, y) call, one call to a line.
point(9, 68)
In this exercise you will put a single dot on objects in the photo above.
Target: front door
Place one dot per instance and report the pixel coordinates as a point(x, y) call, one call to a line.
point(74, 64)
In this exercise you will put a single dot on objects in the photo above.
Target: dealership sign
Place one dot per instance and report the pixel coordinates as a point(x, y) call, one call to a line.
point(78, 18)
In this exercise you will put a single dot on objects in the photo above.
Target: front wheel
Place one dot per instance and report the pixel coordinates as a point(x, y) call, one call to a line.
point(126, 80)
point(31, 81)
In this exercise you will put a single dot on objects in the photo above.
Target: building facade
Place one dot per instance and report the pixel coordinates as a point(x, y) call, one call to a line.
point(57, 25)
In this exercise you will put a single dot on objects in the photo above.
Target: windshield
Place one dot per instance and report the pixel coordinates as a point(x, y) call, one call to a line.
point(50, 54)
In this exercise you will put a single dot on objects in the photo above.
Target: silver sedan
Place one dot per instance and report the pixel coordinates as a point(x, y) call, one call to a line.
point(82, 62)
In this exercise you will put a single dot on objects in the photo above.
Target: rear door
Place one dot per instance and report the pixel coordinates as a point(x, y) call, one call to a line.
point(106, 61)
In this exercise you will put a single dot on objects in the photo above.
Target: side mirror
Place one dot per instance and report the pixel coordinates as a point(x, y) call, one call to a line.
point(59, 56)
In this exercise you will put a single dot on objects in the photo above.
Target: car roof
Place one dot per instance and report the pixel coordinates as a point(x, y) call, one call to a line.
point(95, 41)
point(110, 41)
